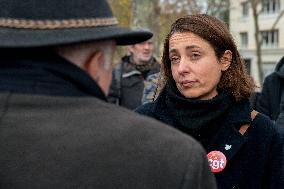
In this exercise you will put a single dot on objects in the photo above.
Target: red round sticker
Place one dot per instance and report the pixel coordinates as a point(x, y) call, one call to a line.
point(217, 161)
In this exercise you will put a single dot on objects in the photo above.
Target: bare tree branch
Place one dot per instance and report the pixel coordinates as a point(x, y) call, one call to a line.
point(277, 20)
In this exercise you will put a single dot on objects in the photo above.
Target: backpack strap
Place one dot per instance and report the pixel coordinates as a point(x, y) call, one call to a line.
point(244, 128)
point(117, 81)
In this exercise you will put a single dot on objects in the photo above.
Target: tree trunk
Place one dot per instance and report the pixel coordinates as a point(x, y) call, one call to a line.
point(156, 25)
point(133, 19)
point(254, 4)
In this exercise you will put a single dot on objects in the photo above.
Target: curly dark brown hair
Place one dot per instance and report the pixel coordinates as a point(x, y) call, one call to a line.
point(235, 79)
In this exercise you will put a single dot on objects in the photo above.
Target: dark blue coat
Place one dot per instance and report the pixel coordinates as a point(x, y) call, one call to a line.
point(255, 159)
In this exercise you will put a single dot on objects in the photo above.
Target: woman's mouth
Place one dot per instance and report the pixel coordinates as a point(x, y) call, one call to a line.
point(187, 83)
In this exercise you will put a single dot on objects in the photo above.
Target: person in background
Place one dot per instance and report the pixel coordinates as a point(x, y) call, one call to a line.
point(205, 94)
point(131, 76)
point(57, 129)
point(271, 98)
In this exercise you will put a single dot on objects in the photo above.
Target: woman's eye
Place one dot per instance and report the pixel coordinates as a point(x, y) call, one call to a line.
point(195, 56)
point(174, 59)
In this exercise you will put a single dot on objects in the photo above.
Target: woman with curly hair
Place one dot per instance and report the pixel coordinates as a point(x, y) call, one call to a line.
point(205, 92)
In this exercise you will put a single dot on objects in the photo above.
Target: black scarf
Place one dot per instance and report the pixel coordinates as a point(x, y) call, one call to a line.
point(144, 66)
point(199, 118)
point(146, 69)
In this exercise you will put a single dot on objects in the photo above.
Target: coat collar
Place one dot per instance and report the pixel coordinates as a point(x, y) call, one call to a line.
point(45, 73)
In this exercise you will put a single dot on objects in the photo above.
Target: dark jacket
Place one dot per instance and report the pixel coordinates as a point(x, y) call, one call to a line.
point(268, 102)
point(128, 82)
point(57, 131)
point(255, 159)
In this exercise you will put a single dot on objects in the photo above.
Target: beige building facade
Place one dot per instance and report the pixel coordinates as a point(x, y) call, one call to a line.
point(243, 30)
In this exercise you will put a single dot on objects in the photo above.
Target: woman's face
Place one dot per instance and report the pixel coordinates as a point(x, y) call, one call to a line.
point(194, 66)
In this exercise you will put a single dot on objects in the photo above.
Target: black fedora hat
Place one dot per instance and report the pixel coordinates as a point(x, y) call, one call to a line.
point(38, 23)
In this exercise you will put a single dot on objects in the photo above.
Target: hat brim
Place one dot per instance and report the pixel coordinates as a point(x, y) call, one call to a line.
point(25, 38)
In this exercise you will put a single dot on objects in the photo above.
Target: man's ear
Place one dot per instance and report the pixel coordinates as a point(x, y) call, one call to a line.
point(226, 60)
point(94, 64)
point(130, 48)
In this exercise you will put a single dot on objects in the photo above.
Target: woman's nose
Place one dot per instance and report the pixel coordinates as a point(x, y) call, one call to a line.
point(183, 66)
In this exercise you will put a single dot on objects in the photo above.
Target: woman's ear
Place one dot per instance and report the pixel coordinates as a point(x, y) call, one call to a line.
point(226, 60)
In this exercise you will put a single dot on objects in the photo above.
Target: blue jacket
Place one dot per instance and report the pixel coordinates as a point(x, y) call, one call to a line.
point(255, 159)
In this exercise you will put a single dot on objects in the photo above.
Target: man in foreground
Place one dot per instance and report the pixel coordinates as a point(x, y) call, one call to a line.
point(57, 131)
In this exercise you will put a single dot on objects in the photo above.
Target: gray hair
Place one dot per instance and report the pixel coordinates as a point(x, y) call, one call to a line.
point(79, 53)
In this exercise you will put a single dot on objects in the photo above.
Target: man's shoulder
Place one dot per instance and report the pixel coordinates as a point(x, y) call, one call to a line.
point(129, 123)
point(139, 130)
point(91, 112)
point(94, 131)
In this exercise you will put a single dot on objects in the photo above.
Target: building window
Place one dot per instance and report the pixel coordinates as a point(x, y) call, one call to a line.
point(244, 39)
point(270, 6)
point(245, 8)
point(247, 62)
point(269, 39)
